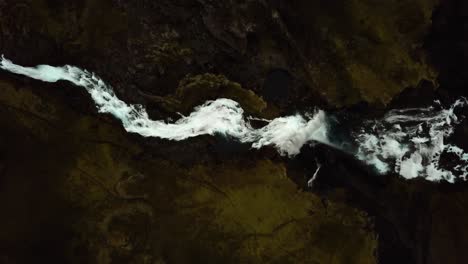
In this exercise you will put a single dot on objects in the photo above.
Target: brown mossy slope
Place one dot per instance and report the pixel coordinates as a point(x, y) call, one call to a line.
point(361, 50)
point(76, 188)
point(196, 90)
point(338, 53)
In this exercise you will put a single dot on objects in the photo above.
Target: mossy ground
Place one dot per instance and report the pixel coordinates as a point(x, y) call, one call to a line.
point(363, 51)
point(352, 52)
point(124, 209)
point(69, 175)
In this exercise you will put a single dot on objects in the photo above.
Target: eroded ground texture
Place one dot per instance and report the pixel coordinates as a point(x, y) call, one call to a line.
point(76, 188)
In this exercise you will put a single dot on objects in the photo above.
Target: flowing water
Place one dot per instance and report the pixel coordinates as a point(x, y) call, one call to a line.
point(408, 142)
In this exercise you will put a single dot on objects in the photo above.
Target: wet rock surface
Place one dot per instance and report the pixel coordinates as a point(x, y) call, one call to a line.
point(76, 188)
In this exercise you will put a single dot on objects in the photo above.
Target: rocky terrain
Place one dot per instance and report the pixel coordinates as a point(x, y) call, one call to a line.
point(76, 188)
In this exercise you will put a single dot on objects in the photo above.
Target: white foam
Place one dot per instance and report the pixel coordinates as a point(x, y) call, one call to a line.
point(411, 141)
point(221, 116)
point(310, 182)
point(410, 168)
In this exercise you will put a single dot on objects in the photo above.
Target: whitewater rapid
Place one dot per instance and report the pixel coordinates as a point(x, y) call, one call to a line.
point(222, 116)
point(411, 142)
point(408, 142)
